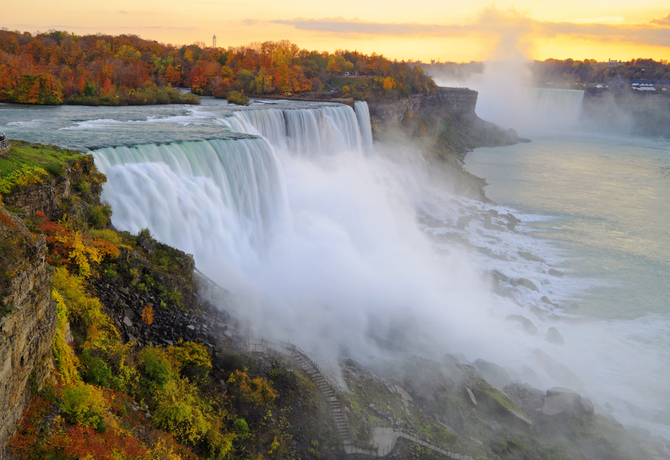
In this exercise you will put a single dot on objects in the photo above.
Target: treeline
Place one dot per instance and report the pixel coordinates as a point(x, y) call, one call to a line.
point(562, 73)
point(57, 67)
point(568, 72)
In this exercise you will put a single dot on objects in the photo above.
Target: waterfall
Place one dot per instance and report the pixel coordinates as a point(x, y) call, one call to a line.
point(305, 132)
point(224, 197)
point(560, 107)
point(363, 115)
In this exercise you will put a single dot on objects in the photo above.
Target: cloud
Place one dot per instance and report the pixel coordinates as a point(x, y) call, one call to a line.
point(344, 27)
point(662, 21)
point(640, 34)
point(511, 28)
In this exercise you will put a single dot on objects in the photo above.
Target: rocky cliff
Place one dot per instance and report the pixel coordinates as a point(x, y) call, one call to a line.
point(27, 312)
point(77, 186)
point(447, 102)
point(28, 326)
point(446, 127)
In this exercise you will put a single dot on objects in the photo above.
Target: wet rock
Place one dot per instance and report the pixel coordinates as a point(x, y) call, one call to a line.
point(450, 359)
point(471, 395)
point(557, 370)
point(530, 257)
point(494, 374)
point(406, 397)
point(146, 244)
point(553, 336)
point(556, 273)
point(511, 221)
point(587, 405)
point(565, 401)
point(527, 284)
point(527, 324)
point(560, 402)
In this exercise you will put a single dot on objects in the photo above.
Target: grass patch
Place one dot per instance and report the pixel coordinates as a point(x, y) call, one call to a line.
point(341, 82)
point(48, 157)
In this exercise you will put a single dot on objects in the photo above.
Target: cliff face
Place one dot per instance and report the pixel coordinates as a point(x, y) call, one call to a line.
point(59, 196)
point(446, 127)
point(645, 113)
point(27, 331)
point(452, 102)
point(27, 312)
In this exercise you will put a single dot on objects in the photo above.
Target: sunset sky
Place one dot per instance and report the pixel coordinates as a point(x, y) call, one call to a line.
point(448, 30)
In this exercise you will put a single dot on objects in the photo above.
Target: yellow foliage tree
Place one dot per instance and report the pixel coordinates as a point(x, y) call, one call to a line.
point(66, 360)
point(389, 83)
point(257, 391)
point(81, 252)
point(181, 411)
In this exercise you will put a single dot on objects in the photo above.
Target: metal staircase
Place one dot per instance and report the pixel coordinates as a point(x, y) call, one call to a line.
point(336, 408)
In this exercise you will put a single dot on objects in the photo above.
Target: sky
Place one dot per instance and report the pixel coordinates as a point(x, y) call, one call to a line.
point(444, 30)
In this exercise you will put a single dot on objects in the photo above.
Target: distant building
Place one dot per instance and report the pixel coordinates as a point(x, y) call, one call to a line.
point(642, 85)
point(214, 41)
point(610, 63)
point(618, 83)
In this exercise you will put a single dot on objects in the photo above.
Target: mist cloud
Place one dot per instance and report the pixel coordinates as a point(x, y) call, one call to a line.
point(509, 24)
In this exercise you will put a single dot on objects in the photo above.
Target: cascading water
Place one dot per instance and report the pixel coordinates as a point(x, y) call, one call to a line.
point(223, 197)
point(558, 107)
point(363, 116)
point(304, 132)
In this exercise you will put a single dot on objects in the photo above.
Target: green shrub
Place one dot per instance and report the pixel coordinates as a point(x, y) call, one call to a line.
point(181, 411)
point(95, 370)
point(99, 216)
point(191, 359)
point(238, 97)
point(84, 188)
point(22, 177)
point(85, 405)
point(155, 366)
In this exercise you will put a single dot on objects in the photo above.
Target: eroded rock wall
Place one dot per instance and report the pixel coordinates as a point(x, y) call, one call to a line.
point(446, 102)
point(53, 198)
point(28, 317)
point(27, 331)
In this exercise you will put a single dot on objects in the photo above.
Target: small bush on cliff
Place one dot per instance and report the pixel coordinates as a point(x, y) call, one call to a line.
point(23, 177)
point(190, 359)
point(99, 216)
point(85, 405)
point(238, 97)
point(181, 411)
point(156, 367)
point(66, 360)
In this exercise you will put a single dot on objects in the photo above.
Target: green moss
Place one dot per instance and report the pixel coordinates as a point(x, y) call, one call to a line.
point(5, 309)
point(48, 157)
point(502, 399)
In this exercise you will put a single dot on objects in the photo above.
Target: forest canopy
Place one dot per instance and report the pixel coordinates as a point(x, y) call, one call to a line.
point(58, 67)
